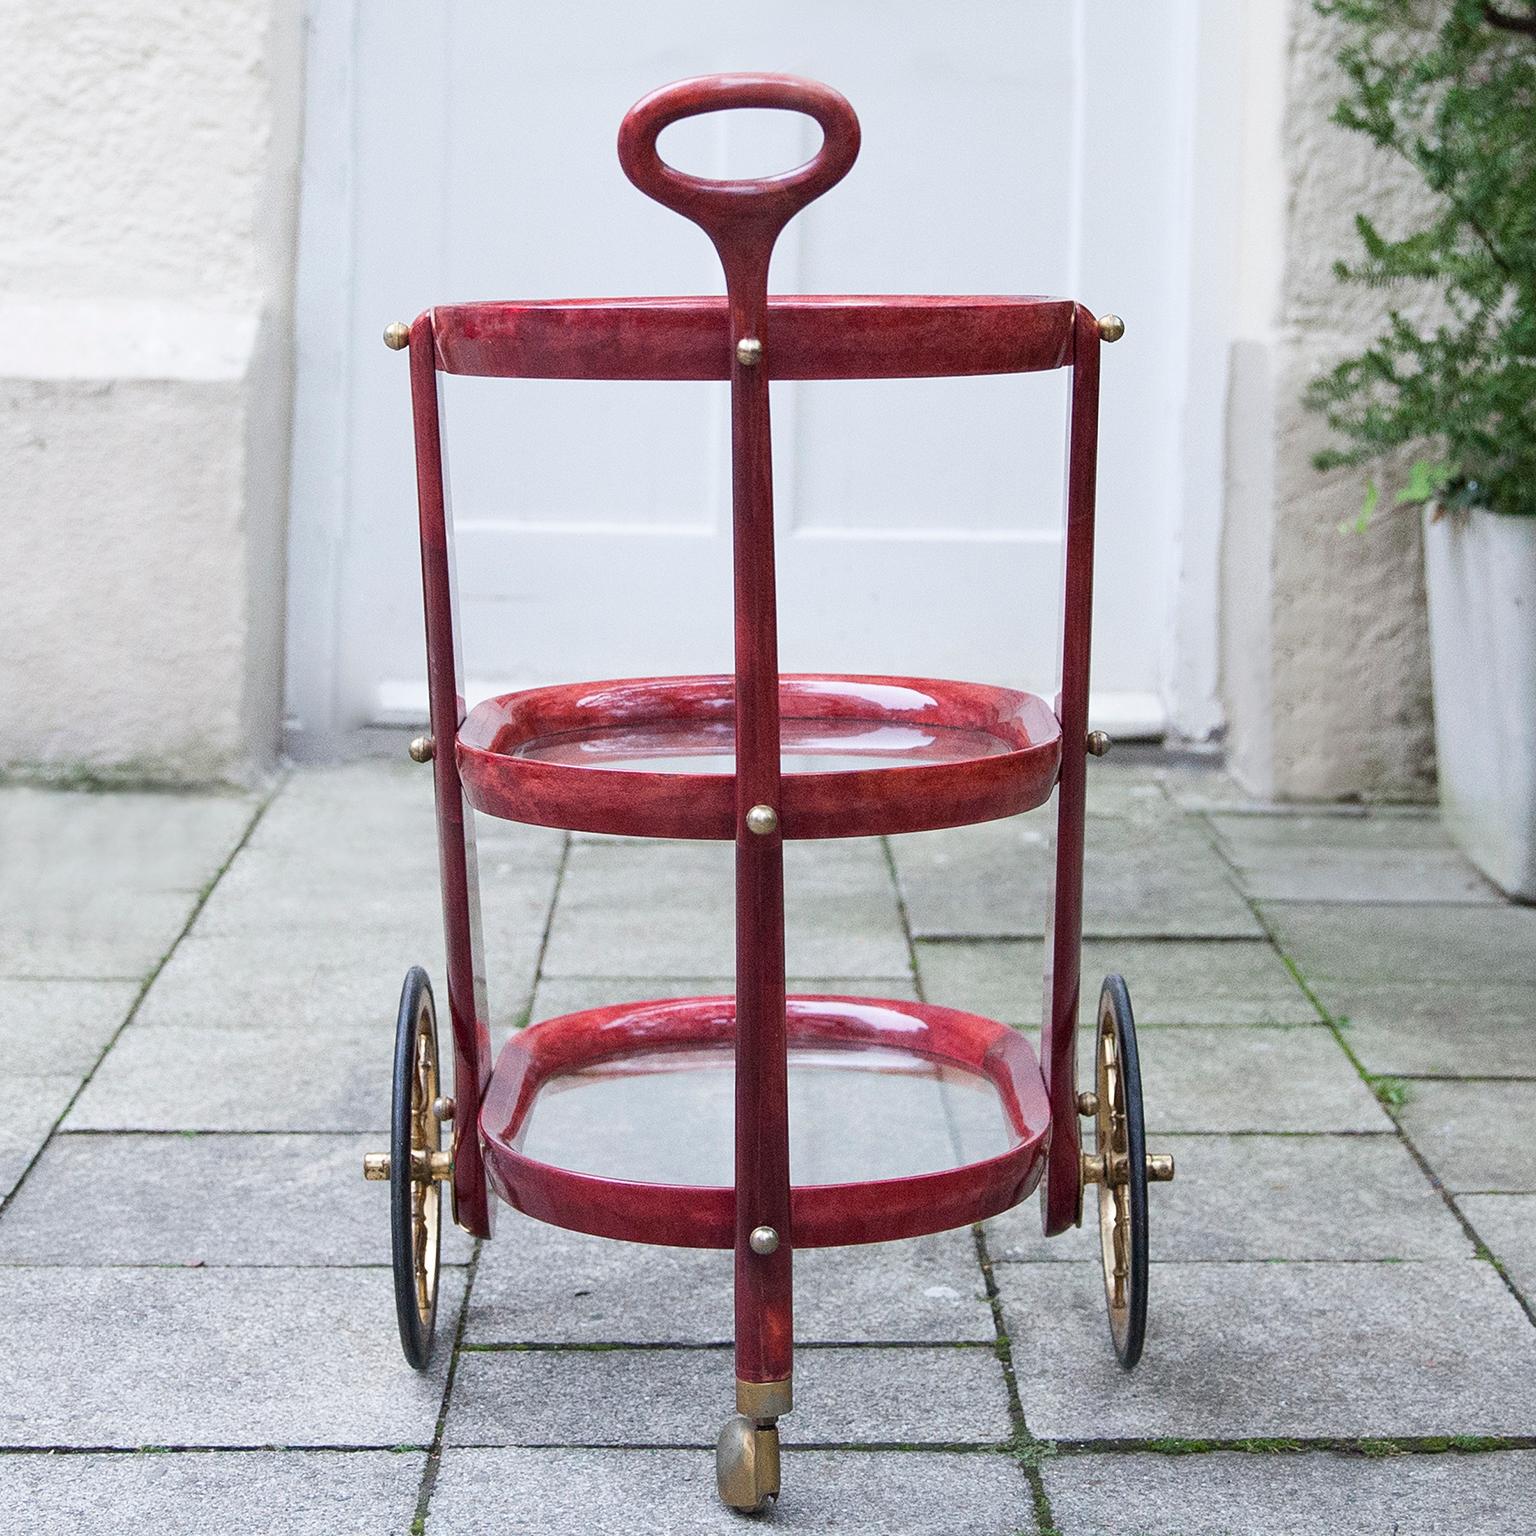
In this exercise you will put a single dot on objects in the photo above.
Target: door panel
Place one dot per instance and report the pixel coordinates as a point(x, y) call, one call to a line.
point(919, 520)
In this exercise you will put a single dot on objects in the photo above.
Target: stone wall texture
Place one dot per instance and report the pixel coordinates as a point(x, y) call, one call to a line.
point(1326, 663)
point(148, 169)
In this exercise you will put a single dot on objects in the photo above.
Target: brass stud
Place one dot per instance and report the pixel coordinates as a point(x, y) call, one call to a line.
point(376, 1167)
point(423, 749)
point(1111, 327)
point(1087, 1104)
point(397, 335)
point(443, 1107)
point(762, 820)
point(749, 351)
point(1099, 743)
point(764, 1240)
point(1160, 1167)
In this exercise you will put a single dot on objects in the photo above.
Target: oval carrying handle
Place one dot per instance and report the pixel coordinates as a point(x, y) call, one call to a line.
point(752, 210)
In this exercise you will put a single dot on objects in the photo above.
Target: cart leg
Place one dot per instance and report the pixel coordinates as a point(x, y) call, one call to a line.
point(747, 1456)
point(1061, 1202)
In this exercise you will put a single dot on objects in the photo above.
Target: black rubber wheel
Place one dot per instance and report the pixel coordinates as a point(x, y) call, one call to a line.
point(1120, 1142)
point(415, 1196)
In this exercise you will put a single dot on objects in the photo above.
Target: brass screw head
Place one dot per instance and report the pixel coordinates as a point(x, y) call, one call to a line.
point(762, 820)
point(1087, 1104)
point(1111, 327)
point(397, 335)
point(749, 351)
point(376, 1167)
point(764, 1240)
point(443, 1107)
point(423, 749)
point(1099, 743)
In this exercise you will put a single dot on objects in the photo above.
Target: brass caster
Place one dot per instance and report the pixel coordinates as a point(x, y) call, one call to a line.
point(397, 335)
point(747, 1464)
point(1160, 1167)
point(376, 1167)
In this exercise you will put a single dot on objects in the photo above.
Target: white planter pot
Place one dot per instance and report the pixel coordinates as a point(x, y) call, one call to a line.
point(1480, 569)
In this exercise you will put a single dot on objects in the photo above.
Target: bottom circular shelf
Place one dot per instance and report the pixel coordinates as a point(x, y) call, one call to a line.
point(618, 1121)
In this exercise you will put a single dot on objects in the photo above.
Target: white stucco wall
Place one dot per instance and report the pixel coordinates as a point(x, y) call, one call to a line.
point(148, 172)
point(1325, 647)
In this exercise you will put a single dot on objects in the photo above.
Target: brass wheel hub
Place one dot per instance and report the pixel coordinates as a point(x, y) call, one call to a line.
point(1109, 1167)
point(429, 1167)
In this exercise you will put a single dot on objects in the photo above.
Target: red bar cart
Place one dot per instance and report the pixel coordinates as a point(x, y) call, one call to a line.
point(603, 757)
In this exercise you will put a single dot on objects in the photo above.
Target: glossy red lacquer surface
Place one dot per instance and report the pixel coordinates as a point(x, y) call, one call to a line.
point(1062, 1200)
point(522, 755)
point(703, 1216)
point(942, 754)
point(467, 1007)
point(826, 336)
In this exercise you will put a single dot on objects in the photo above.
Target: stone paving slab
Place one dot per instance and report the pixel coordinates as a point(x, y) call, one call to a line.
point(1462, 1030)
point(1139, 880)
point(560, 995)
point(538, 1284)
point(1260, 1350)
point(59, 841)
point(112, 1358)
point(1171, 982)
point(326, 978)
point(1337, 948)
point(1476, 1136)
point(197, 1199)
point(100, 885)
point(187, 1078)
point(34, 1107)
point(1507, 1224)
point(1237, 1078)
point(278, 893)
point(1385, 859)
point(60, 1028)
point(1232, 1494)
point(680, 1397)
point(116, 934)
point(343, 980)
point(616, 1493)
point(666, 909)
point(236, 1493)
point(1255, 1198)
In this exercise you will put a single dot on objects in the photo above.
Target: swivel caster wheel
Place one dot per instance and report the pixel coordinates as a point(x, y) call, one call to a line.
point(1120, 1167)
point(747, 1464)
point(416, 1168)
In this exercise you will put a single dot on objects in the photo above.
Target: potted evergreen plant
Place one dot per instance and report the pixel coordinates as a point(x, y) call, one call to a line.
point(1450, 86)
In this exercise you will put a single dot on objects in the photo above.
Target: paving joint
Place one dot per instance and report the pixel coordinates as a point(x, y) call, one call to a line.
point(199, 902)
point(1371, 1080)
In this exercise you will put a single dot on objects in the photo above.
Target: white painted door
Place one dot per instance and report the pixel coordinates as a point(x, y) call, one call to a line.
point(465, 150)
